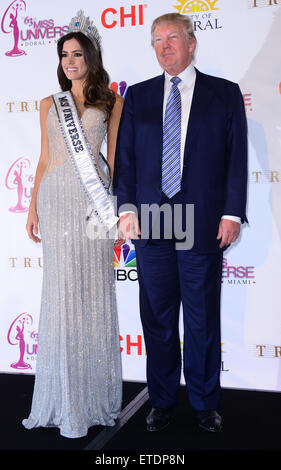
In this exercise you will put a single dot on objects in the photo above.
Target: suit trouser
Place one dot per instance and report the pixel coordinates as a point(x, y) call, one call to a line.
point(167, 278)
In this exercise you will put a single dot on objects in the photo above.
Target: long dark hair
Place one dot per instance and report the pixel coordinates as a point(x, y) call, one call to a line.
point(96, 88)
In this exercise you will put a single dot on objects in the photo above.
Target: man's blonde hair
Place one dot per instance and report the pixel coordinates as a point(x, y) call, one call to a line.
point(177, 18)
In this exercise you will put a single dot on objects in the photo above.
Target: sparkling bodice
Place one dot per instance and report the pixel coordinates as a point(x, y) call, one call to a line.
point(95, 129)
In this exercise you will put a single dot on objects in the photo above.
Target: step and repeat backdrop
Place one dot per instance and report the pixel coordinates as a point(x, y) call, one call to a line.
point(238, 40)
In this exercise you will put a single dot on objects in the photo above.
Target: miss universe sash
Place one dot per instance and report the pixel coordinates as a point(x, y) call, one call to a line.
point(85, 166)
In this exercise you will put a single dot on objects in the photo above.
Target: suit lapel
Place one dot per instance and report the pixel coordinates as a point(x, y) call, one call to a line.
point(155, 98)
point(202, 96)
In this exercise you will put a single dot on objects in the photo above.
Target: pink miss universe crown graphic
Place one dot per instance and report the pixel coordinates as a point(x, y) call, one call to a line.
point(9, 24)
point(16, 336)
point(20, 179)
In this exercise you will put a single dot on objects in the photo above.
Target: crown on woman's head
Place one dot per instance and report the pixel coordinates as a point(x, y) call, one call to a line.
point(83, 24)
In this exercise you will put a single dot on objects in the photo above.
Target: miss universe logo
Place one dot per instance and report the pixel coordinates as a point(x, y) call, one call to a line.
point(10, 24)
point(20, 333)
point(21, 180)
point(27, 30)
point(237, 275)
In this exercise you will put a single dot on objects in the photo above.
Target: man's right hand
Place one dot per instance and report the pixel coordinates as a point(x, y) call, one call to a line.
point(128, 227)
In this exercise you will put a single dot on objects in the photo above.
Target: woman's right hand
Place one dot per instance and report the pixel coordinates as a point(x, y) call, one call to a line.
point(32, 225)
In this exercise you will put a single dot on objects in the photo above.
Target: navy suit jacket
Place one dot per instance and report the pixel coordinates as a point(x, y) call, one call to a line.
point(214, 176)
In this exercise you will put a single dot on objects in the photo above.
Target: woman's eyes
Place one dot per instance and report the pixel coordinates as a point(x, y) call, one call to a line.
point(76, 54)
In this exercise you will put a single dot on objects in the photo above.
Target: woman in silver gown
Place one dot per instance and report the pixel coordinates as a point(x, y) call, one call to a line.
point(78, 380)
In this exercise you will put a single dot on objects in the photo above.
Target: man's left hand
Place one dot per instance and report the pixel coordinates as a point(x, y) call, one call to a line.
point(228, 232)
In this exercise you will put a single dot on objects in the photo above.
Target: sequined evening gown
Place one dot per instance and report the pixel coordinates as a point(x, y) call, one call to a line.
point(78, 371)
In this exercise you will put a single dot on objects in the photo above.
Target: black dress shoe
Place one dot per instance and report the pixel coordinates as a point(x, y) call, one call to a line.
point(158, 419)
point(209, 420)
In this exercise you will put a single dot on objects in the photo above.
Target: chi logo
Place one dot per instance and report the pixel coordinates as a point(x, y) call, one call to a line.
point(195, 6)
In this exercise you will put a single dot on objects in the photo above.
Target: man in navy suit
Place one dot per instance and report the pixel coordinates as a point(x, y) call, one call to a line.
point(182, 143)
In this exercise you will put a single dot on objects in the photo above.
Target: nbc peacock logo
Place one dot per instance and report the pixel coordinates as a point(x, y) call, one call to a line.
point(187, 7)
point(120, 88)
point(124, 256)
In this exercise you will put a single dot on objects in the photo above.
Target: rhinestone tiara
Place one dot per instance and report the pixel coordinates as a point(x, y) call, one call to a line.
point(83, 24)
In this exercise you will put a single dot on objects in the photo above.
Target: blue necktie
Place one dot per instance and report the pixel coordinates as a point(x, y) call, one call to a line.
point(171, 168)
